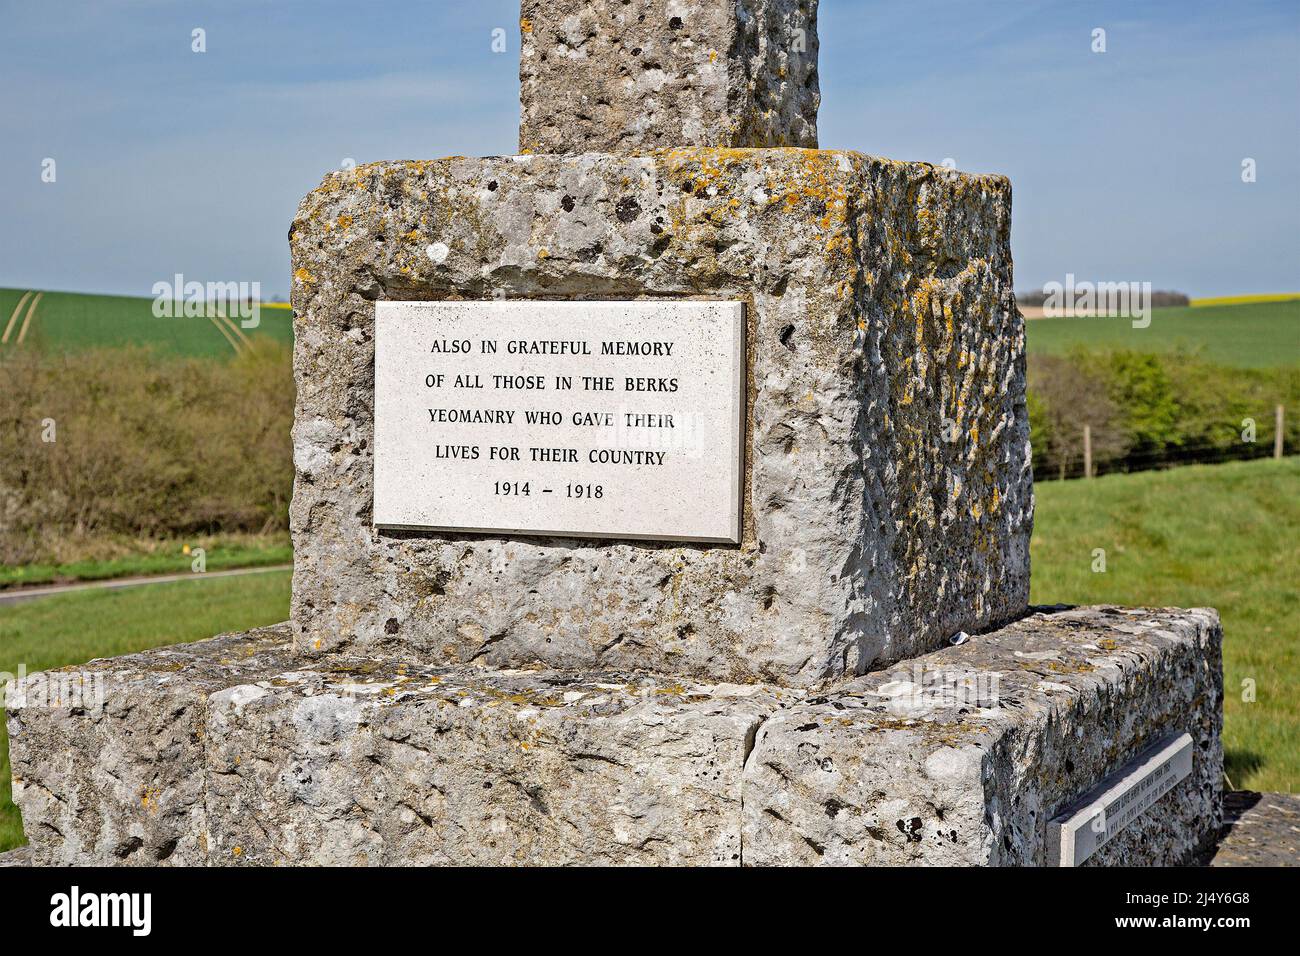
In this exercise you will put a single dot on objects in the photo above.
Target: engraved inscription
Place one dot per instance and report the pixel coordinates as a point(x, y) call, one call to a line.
point(582, 419)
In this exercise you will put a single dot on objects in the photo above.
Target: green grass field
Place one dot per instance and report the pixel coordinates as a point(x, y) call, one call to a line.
point(1249, 335)
point(1223, 536)
point(72, 629)
point(69, 321)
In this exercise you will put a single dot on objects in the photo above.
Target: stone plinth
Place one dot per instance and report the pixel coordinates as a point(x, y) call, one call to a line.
point(960, 757)
point(887, 494)
point(106, 776)
point(912, 768)
point(623, 77)
point(364, 763)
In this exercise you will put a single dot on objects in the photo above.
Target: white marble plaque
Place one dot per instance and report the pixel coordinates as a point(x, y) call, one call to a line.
point(1118, 800)
point(579, 419)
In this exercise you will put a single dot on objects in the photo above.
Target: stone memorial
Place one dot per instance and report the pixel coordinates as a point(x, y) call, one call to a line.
point(663, 495)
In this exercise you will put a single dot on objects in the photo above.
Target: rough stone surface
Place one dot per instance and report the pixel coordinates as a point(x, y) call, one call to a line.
point(364, 764)
point(891, 769)
point(19, 857)
point(616, 76)
point(117, 785)
point(888, 499)
point(1259, 829)
point(381, 762)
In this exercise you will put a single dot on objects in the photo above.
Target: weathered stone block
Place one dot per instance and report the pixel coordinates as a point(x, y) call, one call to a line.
point(623, 77)
point(363, 763)
point(961, 757)
point(22, 856)
point(941, 763)
point(888, 499)
point(107, 757)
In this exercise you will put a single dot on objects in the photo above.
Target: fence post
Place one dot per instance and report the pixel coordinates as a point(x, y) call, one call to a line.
point(1277, 432)
point(1087, 451)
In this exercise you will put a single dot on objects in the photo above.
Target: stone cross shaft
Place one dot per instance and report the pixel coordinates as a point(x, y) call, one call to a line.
point(629, 76)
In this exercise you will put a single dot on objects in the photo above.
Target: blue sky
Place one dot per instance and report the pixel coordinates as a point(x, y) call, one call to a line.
point(1125, 165)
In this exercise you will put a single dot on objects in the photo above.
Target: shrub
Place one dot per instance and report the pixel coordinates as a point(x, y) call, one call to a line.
point(1064, 396)
point(1152, 410)
point(146, 446)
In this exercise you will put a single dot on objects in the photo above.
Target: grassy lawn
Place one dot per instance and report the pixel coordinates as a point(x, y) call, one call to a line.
point(233, 551)
point(1225, 536)
point(74, 628)
point(1246, 335)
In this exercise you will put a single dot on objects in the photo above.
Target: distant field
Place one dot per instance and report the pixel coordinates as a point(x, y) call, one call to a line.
point(69, 321)
point(1246, 335)
point(1246, 299)
point(1220, 536)
point(1245, 331)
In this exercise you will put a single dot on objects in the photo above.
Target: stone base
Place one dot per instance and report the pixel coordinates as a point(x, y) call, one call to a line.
point(1259, 829)
point(19, 857)
point(107, 757)
point(216, 752)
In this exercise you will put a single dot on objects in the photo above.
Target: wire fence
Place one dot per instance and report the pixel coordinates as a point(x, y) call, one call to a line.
point(1048, 467)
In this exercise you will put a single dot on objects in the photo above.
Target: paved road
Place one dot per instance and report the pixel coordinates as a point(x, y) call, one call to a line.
point(27, 594)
